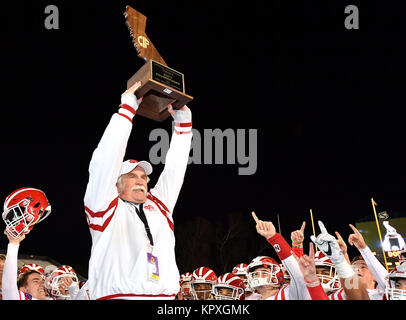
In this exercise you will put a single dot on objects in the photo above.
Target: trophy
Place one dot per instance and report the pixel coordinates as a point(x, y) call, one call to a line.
point(160, 85)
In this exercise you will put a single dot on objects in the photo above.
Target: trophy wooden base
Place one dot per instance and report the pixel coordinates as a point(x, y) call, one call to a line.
point(160, 86)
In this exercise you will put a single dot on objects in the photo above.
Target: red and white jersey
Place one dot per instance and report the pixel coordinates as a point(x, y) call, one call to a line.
point(338, 295)
point(118, 266)
point(374, 294)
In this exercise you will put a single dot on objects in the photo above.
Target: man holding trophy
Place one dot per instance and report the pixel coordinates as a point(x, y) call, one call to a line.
point(133, 241)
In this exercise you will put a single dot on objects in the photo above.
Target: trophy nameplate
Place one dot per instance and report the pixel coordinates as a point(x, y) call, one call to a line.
point(160, 85)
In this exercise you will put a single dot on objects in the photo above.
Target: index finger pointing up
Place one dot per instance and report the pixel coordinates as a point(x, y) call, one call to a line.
point(303, 226)
point(255, 217)
point(354, 229)
point(322, 227)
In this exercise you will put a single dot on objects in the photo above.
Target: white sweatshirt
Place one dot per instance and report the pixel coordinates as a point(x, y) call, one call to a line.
point(118, 266)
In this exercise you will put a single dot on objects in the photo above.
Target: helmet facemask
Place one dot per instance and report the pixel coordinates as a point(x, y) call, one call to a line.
point(227, 292)
point(258, 278)
point(329, 282)
point(186, 290)
point(201, 290)
point(393, 293)
point(19, 219)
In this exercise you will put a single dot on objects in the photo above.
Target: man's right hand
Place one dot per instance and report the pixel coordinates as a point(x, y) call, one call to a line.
point(128, 97)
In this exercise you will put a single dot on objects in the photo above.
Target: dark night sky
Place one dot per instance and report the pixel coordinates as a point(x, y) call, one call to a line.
point(326, 101)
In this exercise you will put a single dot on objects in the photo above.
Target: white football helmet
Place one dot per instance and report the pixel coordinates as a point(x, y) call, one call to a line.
point(185, 286)
point(233, 284)
point(396, 274)
point(330, 282)
point(203, 276)
point(274, 276)
point(52, 282)
point(241, 271)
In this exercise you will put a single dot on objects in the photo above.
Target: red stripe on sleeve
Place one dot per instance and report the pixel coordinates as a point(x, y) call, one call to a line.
point(100, 214)
point(183, 125)
point(129, 108)
point(127, 117)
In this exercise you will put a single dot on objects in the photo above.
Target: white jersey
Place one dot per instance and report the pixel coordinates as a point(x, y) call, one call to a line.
point(118, 266)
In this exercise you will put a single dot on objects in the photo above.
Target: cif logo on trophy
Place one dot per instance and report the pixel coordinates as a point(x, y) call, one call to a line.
point(160, 85)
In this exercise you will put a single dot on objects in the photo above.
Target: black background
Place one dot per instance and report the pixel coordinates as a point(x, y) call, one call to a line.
point(326, 102)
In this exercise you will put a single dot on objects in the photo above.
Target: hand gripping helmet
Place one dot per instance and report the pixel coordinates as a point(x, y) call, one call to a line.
point(241, 271)
point(273, 276)
point(31, 266)
point(52, 282)
point(229, 286)
point(203, 279)
point(23, 208)
point(185, 286)
point(330, 282)
point(396, 274)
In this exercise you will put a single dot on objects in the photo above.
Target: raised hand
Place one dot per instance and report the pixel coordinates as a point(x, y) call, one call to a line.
point(297, 236)
point(264, 228)
point(128, 97)
point(13, 240)
point(356, 239)
point(328, 245)
point(308, 266)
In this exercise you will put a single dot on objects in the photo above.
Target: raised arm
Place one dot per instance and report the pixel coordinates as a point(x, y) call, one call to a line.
point(377, 269)
point(171, 179)
point(308, 267)
point(297, 287)
point(297, 238)
point(108, 157)
point(354, 289)
point(9, 280)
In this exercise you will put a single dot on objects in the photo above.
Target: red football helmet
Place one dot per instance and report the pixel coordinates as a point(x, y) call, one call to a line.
point(330, 282)
point(23, 208)
point(273, 276)
point(52, 282)
point(203, 279)
point(241, 271)
point(397, 274)
point(229, 286)
point(185, 286)
point(31, 266)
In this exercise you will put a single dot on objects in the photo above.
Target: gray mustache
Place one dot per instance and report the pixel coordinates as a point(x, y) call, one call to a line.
point(135, 188)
